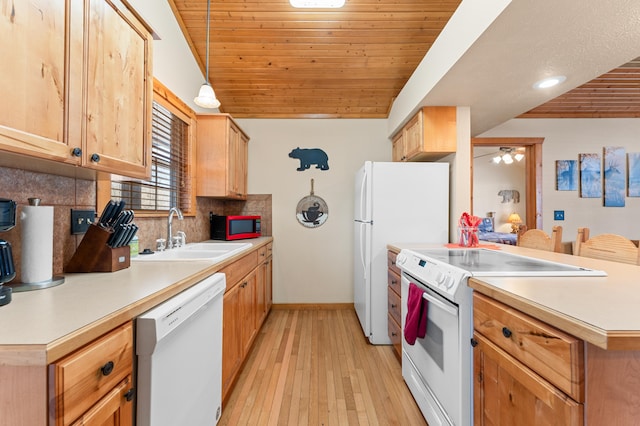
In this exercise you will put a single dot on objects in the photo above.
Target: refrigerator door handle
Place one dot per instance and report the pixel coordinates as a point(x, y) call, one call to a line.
point(362, 245)
point(363, 196)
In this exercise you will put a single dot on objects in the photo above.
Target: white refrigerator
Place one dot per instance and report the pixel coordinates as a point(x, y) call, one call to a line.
point(394, 203)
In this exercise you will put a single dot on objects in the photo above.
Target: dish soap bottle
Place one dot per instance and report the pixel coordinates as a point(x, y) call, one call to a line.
point(134, 246)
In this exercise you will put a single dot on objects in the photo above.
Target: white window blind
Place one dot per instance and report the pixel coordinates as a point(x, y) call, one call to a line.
point(170, 184)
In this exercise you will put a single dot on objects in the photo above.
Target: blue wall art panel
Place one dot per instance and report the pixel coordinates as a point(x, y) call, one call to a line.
point(634, 174)
point(590, 176)
point(614, 176)
point(566, 175)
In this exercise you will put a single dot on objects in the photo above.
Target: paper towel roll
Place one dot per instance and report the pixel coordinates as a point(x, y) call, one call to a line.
point(37, 243)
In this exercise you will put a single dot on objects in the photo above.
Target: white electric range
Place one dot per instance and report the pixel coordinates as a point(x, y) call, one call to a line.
point(438, 367)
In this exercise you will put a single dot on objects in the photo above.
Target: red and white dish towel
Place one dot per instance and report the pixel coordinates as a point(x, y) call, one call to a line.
point(415, 324)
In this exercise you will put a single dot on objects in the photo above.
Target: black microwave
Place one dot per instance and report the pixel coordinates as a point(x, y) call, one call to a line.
point(234, 227)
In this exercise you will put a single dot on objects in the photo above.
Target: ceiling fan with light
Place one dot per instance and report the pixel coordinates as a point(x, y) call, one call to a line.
point(505, 155)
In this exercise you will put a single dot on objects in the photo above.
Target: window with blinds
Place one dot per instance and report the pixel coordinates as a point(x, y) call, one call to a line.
point(170, 183)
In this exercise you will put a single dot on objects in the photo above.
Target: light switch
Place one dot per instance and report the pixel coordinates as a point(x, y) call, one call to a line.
point(80, 220)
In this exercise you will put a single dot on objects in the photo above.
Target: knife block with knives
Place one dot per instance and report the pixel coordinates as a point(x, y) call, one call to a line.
point(105, 245)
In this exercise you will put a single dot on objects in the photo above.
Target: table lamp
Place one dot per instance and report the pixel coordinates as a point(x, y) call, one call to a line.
point(515, 221)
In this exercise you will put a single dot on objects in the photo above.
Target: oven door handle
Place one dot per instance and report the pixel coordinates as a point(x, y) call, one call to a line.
point(449, 309)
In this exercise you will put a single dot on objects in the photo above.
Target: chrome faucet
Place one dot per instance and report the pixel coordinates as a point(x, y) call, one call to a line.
point(177, 211)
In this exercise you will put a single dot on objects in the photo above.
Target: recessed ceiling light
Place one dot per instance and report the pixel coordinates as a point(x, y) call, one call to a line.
point(319, 4)
point(545, 83)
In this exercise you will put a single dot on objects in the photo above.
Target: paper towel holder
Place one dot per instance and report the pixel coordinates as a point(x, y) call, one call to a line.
point(17, 287)
point(52, 282)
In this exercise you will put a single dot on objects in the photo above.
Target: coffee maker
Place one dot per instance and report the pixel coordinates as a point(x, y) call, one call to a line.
point(7, 267)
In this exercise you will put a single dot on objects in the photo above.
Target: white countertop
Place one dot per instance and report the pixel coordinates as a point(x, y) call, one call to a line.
point(604, 311)
point(69, 315)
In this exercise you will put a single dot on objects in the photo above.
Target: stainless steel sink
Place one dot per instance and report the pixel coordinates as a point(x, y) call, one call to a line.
point(205, 251)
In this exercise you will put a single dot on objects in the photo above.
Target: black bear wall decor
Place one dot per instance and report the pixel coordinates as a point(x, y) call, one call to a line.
point(310, 156)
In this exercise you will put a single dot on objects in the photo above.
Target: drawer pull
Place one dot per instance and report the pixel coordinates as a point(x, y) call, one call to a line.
point(129, 395)
point(474, 342)
point(107, 368)
point(394, 281)
point(506, 332)
point(394, 305)
point(394, 334)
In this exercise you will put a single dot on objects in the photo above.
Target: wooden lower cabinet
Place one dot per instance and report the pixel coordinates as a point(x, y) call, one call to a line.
point(264, 283)
point(394, 319)
point(526, 372)
point(231, 352)
point(248, 314)
point(246, 303)
point(112, 410)
point(93, 385)
point(508, 393)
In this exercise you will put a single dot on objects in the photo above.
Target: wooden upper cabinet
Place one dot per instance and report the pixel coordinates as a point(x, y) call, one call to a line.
point(119, 91)
point(34, 84)
point(78, 82)
point(429, 135)
point(222, 158)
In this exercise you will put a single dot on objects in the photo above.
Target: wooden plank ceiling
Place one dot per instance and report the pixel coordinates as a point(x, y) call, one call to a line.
point(270, 60)
point(615, 94)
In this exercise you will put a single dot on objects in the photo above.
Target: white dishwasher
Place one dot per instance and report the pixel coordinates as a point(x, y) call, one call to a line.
point(179, 348)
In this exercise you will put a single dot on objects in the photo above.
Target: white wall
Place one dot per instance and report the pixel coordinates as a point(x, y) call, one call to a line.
point(312, 265)
point(173, 63)
point(469, 21)
point(490, 178)
point(564, 140)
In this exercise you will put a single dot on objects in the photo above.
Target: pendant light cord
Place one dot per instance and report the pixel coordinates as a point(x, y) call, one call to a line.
point(208, 20)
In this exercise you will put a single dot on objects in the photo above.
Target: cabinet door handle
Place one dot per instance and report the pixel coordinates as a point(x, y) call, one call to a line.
point(393, 306)
point(394, 334)
point(76, 152)
point(129, 395)
point(107, 368)
point(95, 158)
point(506, 332)
point(474, 342)
point(394, 281)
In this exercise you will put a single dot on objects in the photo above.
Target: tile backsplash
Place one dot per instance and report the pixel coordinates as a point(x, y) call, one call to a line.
point(65, 193)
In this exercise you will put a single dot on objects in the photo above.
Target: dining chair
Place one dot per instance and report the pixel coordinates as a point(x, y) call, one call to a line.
point(607, 247)
point(540, 240)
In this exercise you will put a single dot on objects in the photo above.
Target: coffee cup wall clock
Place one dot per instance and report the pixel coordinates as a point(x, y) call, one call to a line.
point(312, 211)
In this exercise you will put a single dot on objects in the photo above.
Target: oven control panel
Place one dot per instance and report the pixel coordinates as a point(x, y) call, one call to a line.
point(432, 273)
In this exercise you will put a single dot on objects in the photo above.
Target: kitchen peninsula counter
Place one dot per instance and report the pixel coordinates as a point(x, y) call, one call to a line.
point(41, 326)
point(599, 315)
point(603, 311)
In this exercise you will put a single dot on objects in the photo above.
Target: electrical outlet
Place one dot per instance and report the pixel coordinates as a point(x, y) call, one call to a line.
point(558, 215)
point(80, 220)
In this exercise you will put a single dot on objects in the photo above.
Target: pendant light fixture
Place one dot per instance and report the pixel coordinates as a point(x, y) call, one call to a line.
point(206, 96)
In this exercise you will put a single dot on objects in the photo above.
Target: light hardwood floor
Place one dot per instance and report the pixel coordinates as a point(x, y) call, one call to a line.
point(314, 367)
